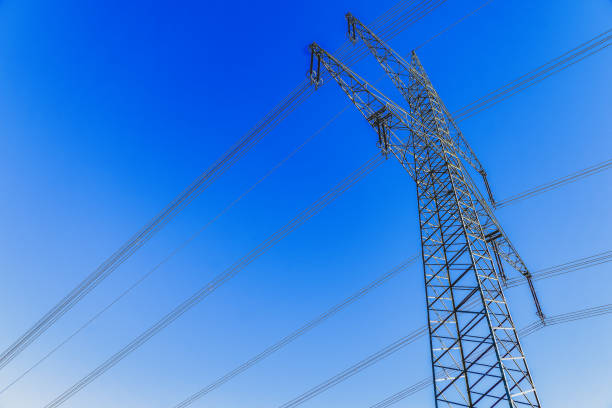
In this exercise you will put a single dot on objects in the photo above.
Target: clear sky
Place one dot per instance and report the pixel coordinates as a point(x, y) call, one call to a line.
point(109, 109)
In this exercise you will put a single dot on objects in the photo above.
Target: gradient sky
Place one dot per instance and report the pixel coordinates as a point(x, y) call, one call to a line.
point(110, 109)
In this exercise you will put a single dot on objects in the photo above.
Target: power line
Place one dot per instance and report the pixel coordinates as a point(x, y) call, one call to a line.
point(392, 13)
point(561, 181)
point(140, 280)
point(226, 161)
point(567, 318)
point(360, 366)
point(398, 345)
point(356, 368)
point(353, 370)
point(293, 336)
point(555, 65)
point(383, 353)
point(567, 267)
point(526, 331)
point(223, 379)
point(147, 232)
point(397, 22)
point(298, 400)
point(173, 253)
point(398, 396)
point(579, 315)
point(453, 239)
point(450, 26)
point(251, 188)
point(430, 10)
point(416, 14)
point(558, 64)
point(394, 29)
point(220, 279)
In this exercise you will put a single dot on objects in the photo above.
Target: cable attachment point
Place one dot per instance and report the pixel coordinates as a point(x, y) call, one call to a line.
point(483, 174)
point(379, 121)
point(351, 33)
point(315, 76)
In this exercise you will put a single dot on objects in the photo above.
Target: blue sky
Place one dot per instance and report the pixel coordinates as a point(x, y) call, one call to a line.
point(109, 111)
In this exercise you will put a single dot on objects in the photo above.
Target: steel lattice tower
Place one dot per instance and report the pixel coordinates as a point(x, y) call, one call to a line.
point(477, 359)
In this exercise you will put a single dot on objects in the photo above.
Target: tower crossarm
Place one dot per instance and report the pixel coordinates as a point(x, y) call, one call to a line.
point(500, 243)
point(477, 358)
point(395, 126)
point(405, 76)
point(410, 78)
point(392, 123)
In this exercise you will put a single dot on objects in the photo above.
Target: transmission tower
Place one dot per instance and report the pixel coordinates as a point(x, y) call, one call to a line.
point(477, 359)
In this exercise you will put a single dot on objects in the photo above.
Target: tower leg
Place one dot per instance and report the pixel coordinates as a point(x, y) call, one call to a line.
point(477, 360)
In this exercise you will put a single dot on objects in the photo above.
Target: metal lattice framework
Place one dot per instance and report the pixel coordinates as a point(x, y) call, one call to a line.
point(477, 359)
point(410, 78)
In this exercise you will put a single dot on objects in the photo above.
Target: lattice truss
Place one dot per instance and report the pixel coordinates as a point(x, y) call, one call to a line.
point(477, 359)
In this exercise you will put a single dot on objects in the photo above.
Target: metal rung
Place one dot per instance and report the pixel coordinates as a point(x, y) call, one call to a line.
point(477, 254)
point(442, 321)
point(445, 348)
point(487, 277)
point(437, 276)
point(449, 378)
point(495, 301)
point(522, 393)
point(513, 358)
point(504, 328)
point(437, 258)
